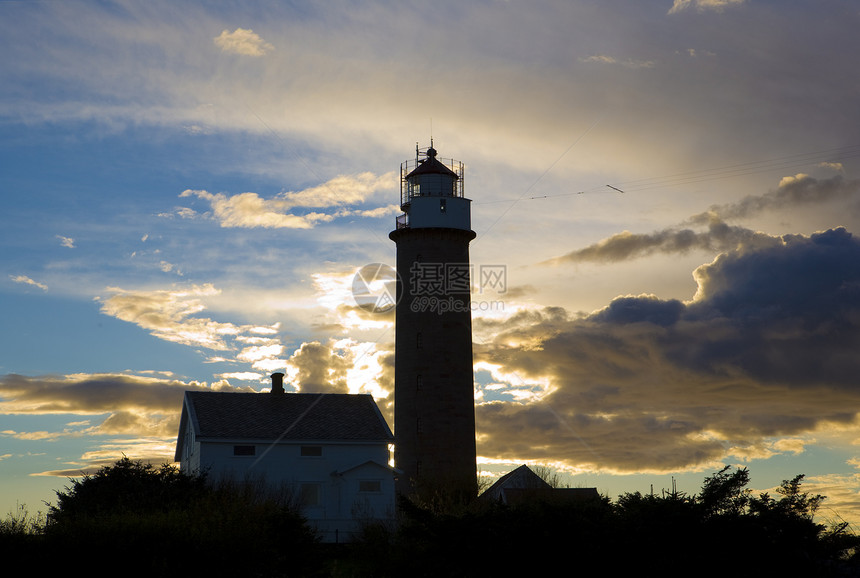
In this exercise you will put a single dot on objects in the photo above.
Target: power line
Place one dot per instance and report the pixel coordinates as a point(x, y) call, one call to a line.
point(703, 175)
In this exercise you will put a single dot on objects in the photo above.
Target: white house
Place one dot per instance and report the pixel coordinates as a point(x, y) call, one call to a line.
point(331, 450)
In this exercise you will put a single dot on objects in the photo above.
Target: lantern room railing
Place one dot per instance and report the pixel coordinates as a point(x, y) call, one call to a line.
point(408, 190)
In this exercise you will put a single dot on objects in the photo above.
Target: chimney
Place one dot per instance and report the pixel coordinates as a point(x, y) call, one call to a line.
point(277, 383)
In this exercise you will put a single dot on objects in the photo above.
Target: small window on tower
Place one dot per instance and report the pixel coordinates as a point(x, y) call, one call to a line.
point(419, 383)
point(311, 451)
point(244, 450)
point(442, 206)
point(419, 341)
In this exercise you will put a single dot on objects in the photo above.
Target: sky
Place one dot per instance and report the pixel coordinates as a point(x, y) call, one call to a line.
point(670, 187)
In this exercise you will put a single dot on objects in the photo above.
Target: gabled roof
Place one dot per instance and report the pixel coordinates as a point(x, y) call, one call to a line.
point(522, 478)
point(369, 464)
point(523, 485)
point(315, 417)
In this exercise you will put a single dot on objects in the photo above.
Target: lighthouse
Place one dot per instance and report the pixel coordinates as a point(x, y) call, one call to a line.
point(434, 403)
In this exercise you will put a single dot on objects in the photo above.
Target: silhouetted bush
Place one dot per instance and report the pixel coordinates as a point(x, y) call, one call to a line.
point(133, 519)
point(722, 530)
point(161, 522)
point(126, 487)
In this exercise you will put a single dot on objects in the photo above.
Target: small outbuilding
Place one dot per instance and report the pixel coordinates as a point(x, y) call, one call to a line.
point(523, 485)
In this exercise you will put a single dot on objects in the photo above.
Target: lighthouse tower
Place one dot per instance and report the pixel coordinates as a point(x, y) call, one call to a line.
point(434, 404)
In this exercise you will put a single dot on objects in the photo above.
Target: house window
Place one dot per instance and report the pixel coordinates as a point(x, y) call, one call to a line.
point(244, 450)
point(369, 486)
point(311, 451)
point(311, 494)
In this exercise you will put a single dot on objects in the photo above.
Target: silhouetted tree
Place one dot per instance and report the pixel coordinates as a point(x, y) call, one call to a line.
point(725, 493)
point(126, 487)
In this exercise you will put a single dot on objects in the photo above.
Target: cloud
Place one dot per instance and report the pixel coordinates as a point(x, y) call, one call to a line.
point(243, 376)
point(169, 315)
point(87, 394)
point(266, 357)
point(341, 190)
point(317, 367)
point(154, 450)
point(344, 366)
point(169, 267)
point(136, 406)
point(628, 63)
point(792, 191)
point(249, 210)
point(765, 350)
point(66, 241)
point(626, 245)
point(28, 281)
point(703, 5)
point(172, 315)
point(142, 413)
point(242, 41)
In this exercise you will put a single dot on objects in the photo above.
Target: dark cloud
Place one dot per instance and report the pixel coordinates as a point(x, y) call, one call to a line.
point(719, 236)
point(767, 348)
point(624, 310)
point(794, 309)
point(792, 191)
point(135, 406)
point(90, 394)
point(626, 245)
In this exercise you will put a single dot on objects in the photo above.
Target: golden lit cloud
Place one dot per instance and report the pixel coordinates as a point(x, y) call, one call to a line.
point(249, 210)
point(341, 190)
point(172, 315)
point(242, 376)
point(28, 281)
point(242, 41)
point(169, 315)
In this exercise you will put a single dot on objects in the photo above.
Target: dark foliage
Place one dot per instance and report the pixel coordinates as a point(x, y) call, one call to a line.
point(724, 529)
point(126, 487)
point(135, 519)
